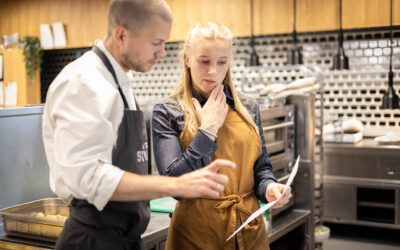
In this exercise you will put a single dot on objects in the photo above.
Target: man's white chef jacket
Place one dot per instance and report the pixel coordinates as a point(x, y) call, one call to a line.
point(80, 123)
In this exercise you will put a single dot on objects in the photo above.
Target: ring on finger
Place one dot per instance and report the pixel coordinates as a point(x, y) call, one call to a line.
point(219, 187)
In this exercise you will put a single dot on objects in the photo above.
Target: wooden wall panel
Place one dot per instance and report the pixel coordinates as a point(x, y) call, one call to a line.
point(14, 71)
point(276, 16)
point(396, 12)
point(314, 15)
point(231, 13)
point(369, 13)
point(85, 20)
point(273, 16)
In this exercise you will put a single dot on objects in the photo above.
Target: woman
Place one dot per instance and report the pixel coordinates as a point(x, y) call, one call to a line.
point(206, 119)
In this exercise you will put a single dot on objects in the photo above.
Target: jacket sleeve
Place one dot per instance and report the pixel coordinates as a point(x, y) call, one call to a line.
point(262, 167)
point(168, 154)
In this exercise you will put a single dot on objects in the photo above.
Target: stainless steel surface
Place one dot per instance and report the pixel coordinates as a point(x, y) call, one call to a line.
point(304, 194)
point(362, 184)
point(366, 159)
point(154, 236)
point(20, 220)
point(365, 144)
point(343, 205)
point(274, 112)
point(24, 241)
point(277, 146)
point(282, 161)
point(305, 125)
point(283, 179)
point(278, 127)
point(303, 187)
point(13, 245)
point(361, 223)
point(305, 143)
point(297, 131)
point(305, 148)
point(287, 222)
point(365, 182)
point(24, 172)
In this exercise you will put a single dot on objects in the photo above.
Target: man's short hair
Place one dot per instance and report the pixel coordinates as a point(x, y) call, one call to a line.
point(134, 14)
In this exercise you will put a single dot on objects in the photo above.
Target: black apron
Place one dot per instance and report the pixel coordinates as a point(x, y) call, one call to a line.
point(120, 224)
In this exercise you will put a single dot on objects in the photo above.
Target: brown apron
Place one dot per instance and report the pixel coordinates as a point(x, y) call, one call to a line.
point(206, 223)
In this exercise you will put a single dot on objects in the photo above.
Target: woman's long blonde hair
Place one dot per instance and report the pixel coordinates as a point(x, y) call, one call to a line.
point(183, 91)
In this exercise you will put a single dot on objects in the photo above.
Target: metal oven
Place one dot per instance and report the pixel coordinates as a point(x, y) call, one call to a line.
point(279, 131)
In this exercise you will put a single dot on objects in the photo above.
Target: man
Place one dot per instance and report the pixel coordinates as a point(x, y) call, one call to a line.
point(95, 137)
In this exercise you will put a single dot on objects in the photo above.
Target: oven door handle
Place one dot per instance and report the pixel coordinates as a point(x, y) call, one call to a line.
point(280, 125)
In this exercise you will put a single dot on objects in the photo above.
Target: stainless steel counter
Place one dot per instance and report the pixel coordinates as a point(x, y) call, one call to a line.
point(24, 172)
point(287, 222)
point(154, 237)
point(362, 184)
point(366, 159)
point(366, 144)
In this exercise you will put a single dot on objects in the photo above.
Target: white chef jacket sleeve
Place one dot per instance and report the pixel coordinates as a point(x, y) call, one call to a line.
point(80, 113)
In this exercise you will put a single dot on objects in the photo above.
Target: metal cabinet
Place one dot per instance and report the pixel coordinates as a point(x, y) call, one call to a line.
point(362, 184)
point(339, 201)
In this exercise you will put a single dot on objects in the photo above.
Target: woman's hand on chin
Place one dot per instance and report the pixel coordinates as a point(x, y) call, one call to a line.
point(212, 115)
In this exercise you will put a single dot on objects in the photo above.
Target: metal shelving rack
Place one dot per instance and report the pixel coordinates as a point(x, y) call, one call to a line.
point(254, 78)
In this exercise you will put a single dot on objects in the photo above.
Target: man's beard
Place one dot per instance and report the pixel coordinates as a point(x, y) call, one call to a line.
point(128, 63)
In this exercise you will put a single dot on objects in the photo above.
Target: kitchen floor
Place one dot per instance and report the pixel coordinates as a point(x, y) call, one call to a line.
point(345, 237)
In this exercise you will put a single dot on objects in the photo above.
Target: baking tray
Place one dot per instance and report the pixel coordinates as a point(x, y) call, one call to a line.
point(21, 220)
point(384, 140)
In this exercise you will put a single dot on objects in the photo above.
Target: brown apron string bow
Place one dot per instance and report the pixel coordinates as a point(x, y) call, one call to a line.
point(235, 203)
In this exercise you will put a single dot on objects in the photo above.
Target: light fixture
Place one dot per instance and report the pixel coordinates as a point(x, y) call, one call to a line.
point(390, 100)
point(340, 60)
point(294, 55)
point(253, 59)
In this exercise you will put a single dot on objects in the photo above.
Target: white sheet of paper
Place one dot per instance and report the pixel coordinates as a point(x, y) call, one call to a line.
point(1, 94)
point(1, 68)
point(10, 90)
point(59, 38)
point(269, 205)
point(46, 36)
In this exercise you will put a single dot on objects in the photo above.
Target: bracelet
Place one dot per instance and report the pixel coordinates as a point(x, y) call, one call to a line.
point(208, 132)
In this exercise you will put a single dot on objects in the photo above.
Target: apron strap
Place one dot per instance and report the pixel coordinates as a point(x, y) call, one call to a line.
point(136, 103)
point(110, 68)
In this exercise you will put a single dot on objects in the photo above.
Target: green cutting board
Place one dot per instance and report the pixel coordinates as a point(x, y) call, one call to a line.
point(165, 205)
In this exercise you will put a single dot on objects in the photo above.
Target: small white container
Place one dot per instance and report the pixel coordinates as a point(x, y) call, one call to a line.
point(321, 233)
